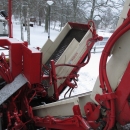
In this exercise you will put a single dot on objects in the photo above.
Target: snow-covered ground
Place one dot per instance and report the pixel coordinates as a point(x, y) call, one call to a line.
point(88, 74)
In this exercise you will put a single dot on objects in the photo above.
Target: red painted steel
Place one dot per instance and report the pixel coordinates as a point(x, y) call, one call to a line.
point(54, 79)
point(15, 54)
point(76, 110)
point(17, 110)
point(122, 102)
point(32, 64)
point(10, 19)
point(79, 26)
point(102, 71)
point(92, 111)
point(72, 123)
point(4, 69)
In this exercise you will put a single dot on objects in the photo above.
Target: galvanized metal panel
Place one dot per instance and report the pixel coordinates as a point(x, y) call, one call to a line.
point(11, 88)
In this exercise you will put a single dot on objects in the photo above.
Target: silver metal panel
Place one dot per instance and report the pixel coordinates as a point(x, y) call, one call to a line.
point(11, 88)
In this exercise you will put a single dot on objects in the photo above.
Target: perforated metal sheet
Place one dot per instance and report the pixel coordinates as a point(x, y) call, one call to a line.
point(73, 33)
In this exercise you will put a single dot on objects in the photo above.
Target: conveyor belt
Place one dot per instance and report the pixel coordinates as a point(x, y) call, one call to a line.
point(73, 33)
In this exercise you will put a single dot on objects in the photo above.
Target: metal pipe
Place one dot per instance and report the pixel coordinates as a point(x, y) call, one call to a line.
point(56, 94)
point(102, 69)
point(9, 18)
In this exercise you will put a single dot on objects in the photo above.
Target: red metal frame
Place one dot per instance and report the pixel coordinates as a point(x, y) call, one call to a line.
point(22, 61)
point(122, 102)
point(79, 26)
point(32, 64)
point(54, 79)
point(105, 85)
point(76, 123)
point(17, 108)
point(10, 18)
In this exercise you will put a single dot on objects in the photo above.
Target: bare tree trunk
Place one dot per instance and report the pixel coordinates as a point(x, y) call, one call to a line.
point(39, 22)
point(39, 17)
point(66, 17)
point(54, 25)
point(28, 22)
point(61, 16)
point(25, 22)
point(75, 4)
point(21, 21)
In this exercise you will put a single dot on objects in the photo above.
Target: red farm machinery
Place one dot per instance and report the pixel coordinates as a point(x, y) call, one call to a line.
point(32, 79)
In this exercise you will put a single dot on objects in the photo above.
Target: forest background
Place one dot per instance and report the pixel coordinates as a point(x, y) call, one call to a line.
point(105, 13)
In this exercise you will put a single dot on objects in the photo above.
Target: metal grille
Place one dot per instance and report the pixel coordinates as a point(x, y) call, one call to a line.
point(73, 33)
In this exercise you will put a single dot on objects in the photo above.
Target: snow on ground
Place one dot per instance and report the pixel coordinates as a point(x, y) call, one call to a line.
point(88, 74)
point(37, 35)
